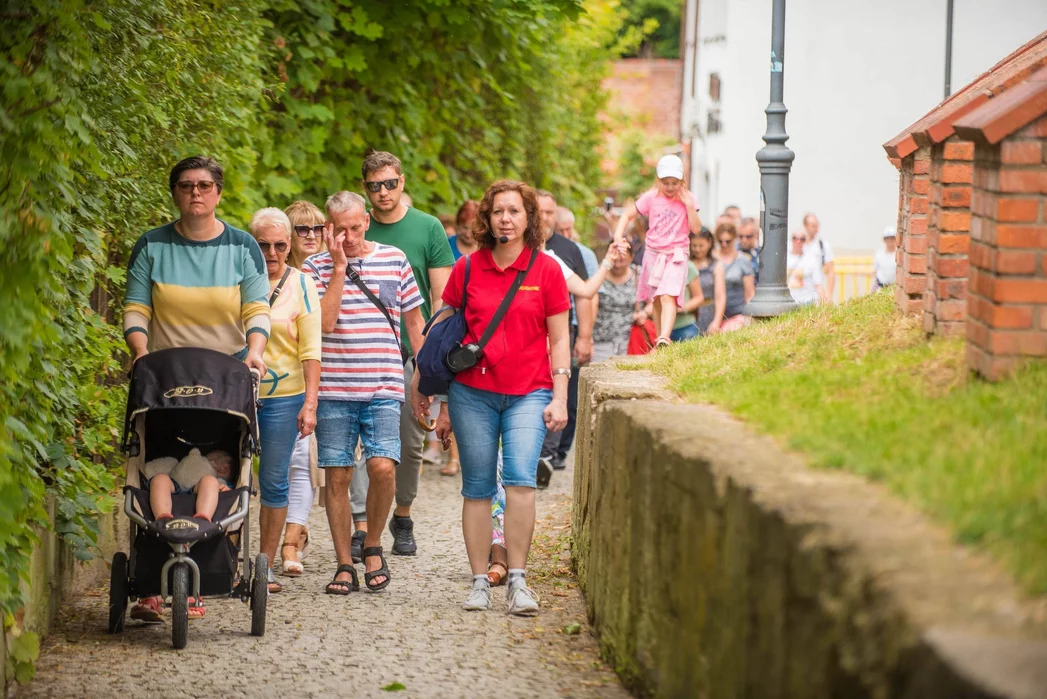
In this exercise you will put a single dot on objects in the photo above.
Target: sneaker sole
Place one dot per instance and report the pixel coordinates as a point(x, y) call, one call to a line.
point(524, 612)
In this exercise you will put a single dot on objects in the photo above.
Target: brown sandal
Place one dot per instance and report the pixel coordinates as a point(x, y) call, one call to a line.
point(493, 576)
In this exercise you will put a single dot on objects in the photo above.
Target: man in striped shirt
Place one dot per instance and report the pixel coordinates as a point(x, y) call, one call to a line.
point(361, 374)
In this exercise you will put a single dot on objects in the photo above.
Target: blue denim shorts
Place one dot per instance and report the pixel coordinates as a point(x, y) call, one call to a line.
point(340, 423)
point(483, 419)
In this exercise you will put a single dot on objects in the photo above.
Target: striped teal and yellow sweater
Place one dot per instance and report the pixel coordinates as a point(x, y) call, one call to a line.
point(184, 293)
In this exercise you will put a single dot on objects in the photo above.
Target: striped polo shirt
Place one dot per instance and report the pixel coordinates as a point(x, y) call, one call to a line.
point(361, 358)
point(188, 293)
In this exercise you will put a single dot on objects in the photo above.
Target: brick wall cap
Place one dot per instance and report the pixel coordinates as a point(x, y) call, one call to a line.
point(1001, 117)
point(937, 125)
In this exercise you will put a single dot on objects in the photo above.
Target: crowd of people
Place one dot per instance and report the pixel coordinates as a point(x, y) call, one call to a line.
point(328, 306)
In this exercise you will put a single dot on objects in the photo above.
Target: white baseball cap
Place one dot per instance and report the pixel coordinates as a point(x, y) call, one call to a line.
point(890, 232)
point(670, 166)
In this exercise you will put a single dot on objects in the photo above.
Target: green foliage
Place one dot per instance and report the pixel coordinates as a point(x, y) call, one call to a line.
point(101, 97)
point(859, 387)
point(652, 28)
point(463, 93)
point(637, 161)
point(92, 114)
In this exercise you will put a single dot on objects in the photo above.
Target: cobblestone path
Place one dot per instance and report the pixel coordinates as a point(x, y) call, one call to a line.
point(413, 634)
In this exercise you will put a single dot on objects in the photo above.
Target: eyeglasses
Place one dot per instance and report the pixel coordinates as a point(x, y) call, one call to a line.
point(799, 237)
point(279, 247)
point(375, 187)
point(187, 187)
point(746, 236)
point(304, 231)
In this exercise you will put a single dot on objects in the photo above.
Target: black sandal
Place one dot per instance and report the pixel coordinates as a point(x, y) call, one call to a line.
point(357, 546)
point(383, 571)
point(343, 587)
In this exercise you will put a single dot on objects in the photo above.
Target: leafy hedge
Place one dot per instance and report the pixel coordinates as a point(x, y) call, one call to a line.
point(100, 97)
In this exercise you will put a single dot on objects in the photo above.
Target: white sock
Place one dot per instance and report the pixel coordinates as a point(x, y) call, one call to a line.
point(517, 576)
point(481, 578)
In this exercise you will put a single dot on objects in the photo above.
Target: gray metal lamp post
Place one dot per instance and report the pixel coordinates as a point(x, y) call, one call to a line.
point(772, 293)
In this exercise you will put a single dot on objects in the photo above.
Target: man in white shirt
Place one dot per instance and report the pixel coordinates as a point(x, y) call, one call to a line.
point(822, 251)
point(884, 264)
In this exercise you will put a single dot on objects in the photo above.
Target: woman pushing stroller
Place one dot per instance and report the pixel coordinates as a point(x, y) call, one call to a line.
point(196, 282)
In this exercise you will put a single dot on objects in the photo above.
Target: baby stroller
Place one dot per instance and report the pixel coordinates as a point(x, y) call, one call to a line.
point(179, 399)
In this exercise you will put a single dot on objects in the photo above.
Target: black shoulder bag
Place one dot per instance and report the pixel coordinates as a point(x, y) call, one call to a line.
point(355, 279)
point(466, 356)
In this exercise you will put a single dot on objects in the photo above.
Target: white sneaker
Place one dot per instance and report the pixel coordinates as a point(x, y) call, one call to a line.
point(432, 455)
point(479, 599)
point(522, 600)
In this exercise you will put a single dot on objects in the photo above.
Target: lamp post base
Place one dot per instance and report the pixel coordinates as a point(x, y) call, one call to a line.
point(770, 301)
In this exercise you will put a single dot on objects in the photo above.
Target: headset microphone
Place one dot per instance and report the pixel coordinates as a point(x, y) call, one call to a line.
point(504, 239)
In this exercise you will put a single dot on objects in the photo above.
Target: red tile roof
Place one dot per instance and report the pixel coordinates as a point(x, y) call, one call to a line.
point(937, 125)
point(1004, 115)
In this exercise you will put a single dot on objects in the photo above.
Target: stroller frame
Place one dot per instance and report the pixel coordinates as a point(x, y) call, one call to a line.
point(165, 392)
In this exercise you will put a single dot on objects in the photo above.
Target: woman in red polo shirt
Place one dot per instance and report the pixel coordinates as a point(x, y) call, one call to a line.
point(514, 393)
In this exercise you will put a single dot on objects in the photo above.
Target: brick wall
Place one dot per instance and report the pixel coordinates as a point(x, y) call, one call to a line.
point(948, 236)
point(914, 187)
point(645, 93)
point(1007, 304)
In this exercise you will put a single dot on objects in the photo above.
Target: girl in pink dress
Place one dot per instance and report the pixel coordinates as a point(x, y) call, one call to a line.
point(672, 215)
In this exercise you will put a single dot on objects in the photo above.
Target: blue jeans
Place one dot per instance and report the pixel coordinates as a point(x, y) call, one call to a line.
point(480, 420)
point(278, 431)
point(340, 423)
point(687, 332)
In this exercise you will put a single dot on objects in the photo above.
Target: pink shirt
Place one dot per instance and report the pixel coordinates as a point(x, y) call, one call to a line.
point(666, 220)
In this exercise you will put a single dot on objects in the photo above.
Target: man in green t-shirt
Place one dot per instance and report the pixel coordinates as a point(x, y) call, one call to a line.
point(421, 237)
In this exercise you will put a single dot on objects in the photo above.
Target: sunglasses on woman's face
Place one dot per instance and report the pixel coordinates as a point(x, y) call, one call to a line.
point(304, 231)
point(375, 187)
point(799, 237)
point(279, 247)
point(187, 187)
point(726, 241)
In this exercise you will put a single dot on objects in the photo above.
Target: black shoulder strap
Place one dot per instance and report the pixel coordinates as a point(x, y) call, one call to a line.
point(355, 279)
point(504, 307)
point(279, 286)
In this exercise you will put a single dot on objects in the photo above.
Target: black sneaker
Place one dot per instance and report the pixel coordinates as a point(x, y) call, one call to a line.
point(402, 529)
point(357, 550)
point(558, 463)
point(545, 473)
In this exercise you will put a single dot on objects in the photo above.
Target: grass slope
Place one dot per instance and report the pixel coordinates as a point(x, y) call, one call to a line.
point(859, 387)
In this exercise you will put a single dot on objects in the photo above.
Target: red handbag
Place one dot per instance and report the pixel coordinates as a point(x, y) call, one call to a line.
point(641, 338)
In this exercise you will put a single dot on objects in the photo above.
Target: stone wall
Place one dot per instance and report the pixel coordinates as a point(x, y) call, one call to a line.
point(56, 575)
point(716, 565)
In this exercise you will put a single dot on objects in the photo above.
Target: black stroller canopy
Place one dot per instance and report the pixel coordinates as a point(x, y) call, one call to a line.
point(191, 378)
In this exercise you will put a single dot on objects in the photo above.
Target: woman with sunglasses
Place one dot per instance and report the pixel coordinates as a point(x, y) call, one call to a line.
point(289, 389)
point(738, 281)
point(307, 229)
point(806, 280)
point(195, 282)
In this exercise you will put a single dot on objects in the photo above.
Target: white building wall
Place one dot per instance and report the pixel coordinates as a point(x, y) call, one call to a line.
point(856, 74)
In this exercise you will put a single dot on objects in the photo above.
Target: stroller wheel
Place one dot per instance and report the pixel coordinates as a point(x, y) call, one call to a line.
point(259, 594)
point(180, 605)
point(117, 592)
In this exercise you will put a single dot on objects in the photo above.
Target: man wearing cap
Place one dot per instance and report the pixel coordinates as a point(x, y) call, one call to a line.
point(672, 215)
point(884, 264)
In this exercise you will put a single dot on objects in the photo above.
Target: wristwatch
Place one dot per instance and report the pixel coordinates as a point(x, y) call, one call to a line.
point(561, 370)
point(607, 264)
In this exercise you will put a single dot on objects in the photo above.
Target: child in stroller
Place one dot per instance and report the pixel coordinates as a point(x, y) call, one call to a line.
point(190, 433)
point(206, 475)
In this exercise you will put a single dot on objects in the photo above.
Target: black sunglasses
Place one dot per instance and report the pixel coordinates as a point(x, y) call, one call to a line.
point(279, 247)
point(375, 187)
point(304, 231)
point(187, 187)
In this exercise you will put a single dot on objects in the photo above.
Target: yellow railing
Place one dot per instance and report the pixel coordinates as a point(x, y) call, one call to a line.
point(854, 277)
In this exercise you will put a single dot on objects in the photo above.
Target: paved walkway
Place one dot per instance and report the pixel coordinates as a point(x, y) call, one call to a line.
point(413, 634)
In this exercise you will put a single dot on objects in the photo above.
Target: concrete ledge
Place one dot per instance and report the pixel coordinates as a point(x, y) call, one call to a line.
point(56, 575)
point(716, 565)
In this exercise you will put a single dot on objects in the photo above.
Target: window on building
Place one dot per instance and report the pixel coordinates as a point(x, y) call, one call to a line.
point(713, 124)
point(714, 87)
